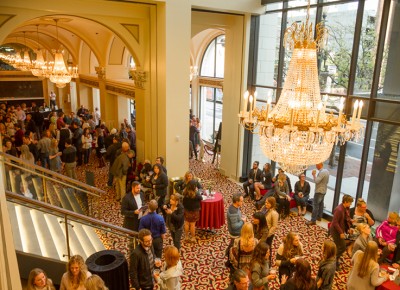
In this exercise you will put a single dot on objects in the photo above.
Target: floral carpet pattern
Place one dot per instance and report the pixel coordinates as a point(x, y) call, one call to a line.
point(204, 261)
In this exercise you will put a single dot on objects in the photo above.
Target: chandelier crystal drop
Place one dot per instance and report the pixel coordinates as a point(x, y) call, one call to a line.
point(39, 62)
point(298, 132)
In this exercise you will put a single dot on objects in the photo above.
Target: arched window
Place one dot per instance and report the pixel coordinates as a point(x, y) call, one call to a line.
point(211, 95)
point(214, 58)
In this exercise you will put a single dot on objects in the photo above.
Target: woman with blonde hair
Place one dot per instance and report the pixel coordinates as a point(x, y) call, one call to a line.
point(365, 271)
point(243, 248)
point(54, 156)
point(94, 282)
point(287, 254)
point(76, 275)
point(181, 184)
point(26, 155)
point(37, 280)
point(272, 218)
point(327, 266)
point(171, 270)
point(363, 239)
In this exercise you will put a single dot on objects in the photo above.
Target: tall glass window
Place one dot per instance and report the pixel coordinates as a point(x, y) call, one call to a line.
point(211, 112)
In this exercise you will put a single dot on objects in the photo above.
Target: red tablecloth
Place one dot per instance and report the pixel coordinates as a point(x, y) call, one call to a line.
point(212, 213)
point(388, 285)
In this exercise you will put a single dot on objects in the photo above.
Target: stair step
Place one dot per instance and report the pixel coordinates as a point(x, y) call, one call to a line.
point(51, 194)
point(75, 243)
point(57, 234)
point(14, 226)
point(63, 198)
point(94, 238)
point(30, 243)
point(38, 184)
point(70, 193)
point(48, 248)
point(83, 239)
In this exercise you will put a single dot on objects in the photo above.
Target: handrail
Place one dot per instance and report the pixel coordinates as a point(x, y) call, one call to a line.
point(75, 183)
point(50, 208)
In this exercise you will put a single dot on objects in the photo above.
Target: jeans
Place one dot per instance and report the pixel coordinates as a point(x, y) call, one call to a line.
point(70, 170)
point(249, 189)
point(86, 155)
point(339, 242)
point(318, 206)
point(44, 160)
point(176, 237)
point(110, 178)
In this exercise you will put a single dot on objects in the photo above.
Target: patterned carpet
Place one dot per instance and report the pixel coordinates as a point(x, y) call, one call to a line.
point(204, 261)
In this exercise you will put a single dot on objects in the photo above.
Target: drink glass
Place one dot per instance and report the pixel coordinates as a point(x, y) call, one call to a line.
point(157, 262)
point(156, 272)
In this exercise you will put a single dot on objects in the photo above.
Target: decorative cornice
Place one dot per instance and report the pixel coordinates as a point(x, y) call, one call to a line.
point(89, 82)
point(120, 91)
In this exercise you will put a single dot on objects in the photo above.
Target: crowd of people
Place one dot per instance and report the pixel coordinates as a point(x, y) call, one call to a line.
point(64, 142)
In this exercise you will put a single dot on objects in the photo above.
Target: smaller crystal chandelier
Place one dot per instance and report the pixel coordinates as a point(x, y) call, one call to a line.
point(57, 71)
point(25, 63)
point(194, 72)
point(39, 63)
point(298, 132)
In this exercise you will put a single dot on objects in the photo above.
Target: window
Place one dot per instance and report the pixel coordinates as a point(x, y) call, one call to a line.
point(211, 112)
point(214, 58)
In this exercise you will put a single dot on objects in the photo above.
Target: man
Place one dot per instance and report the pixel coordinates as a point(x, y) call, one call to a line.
point(155, 223)
point(77, 133)
point(30, 124)
point(119, 170)
point(111, 155)
point(81, 111)
point(255, 175)
point(240, 281)
point(131, 137)
point(43, 147)
point(32, 146)
point(96, 116)
point(321, 186)
point(340, 225)
point(65, 133)
point(52, 97)
point(130, 205)
point(68, 159)
point(160, 160)
point(142, 262)
point(60, 120)
point(234, 215)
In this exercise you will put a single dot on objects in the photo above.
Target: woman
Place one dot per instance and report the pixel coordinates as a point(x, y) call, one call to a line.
point(327, 266)
point(301, 194)
point(76, 275)
point(288, 253)
point(171, 270)
point(175, 219)
point(37, 280)
point(363, 239)
point(260, 271)
point(200, 140)
point(266, 182)
point(94, 282)
point(54, 133)
point(243, 248)
point(9, 126)
point(181, 184)
point(86, 145)
point(54, 156)
point(191, 204)
point(260, 226)
point(26, 155)
point(159, 181)
point(282, 196)
point(272, 218)
point(301, 279)
point(360, 214)
point(365, 271)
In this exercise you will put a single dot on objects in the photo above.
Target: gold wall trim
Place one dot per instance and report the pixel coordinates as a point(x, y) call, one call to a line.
point(88, 82)
point(219, 83)
point(133, 30)
point(120, 91)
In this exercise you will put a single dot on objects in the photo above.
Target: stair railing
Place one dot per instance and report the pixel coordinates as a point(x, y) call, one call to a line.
point(48, 175)
point(68, 216)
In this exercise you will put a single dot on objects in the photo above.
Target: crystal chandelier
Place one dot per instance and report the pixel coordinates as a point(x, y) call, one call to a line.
point(25, 63)
point(57, 71)
point(39, 63)
point(298, 132)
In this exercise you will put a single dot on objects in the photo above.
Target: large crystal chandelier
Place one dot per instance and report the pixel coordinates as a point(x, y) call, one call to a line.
point(57, 72)
point(298, 132)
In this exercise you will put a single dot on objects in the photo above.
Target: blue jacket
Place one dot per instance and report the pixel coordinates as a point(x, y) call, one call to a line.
point(235, 222)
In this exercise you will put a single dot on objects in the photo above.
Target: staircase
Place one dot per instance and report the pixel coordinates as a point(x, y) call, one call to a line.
point(43, 234)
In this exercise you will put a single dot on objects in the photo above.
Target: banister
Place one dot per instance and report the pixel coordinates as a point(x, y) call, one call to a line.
point(48, 208)
point(76, 184)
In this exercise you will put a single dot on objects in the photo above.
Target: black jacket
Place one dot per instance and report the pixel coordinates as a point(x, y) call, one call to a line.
point(161, 184)
point(128, 206)
point(139, 271)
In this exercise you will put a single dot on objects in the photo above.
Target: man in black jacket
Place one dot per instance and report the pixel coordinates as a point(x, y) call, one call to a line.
point(143, 262)
point(130, 207)
point(255, 175)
